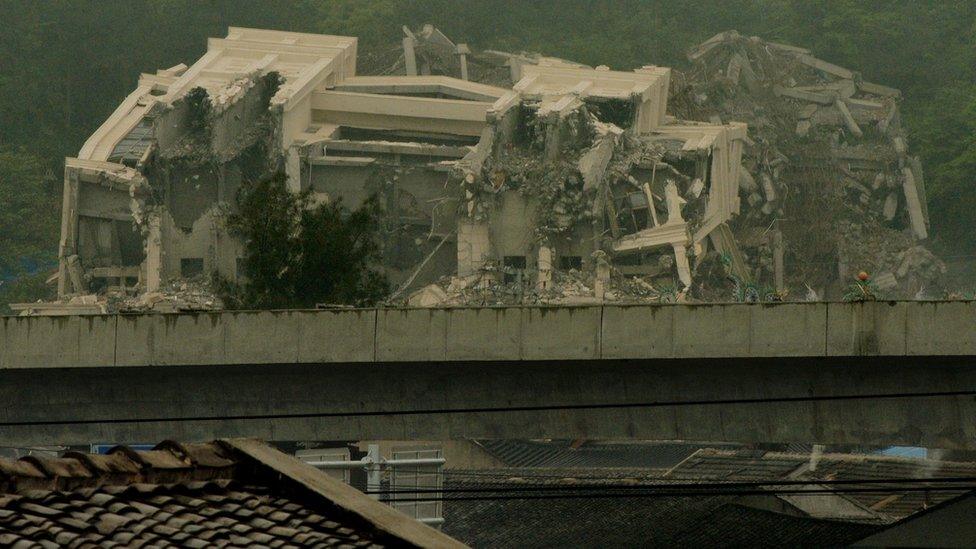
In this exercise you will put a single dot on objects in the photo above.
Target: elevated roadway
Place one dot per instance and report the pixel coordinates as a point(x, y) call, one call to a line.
point(868, 373)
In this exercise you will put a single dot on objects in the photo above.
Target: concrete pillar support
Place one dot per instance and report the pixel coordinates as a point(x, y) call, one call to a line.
point(409, 55)
point(474, 246)
point(154, 253)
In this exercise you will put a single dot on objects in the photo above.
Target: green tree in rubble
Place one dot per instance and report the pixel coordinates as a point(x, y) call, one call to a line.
point(299, 253)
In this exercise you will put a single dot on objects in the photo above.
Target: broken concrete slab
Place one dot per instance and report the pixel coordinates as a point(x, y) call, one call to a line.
point(849, 119)
point(914, 204)
point(813, 97)
point(593, 164)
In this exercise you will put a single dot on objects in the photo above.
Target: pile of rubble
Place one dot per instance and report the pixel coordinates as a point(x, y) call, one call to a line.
point(569, 287)
point(828, 174)
point(187, 295)
point(184, 295)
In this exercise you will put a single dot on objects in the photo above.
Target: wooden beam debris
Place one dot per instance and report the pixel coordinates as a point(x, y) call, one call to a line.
point(698, 51)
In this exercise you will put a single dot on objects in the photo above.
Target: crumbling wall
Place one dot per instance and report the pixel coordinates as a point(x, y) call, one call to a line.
point(551, 194)
point(207, 241)
point(419, 205)
point(103, 203)
point(206, 146)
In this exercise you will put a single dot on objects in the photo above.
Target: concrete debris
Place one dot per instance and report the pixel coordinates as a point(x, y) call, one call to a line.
point(226, 96)
point(429, 296)
point(593, 164)
point(600, 284)
point(830, 159)
point(186, 295)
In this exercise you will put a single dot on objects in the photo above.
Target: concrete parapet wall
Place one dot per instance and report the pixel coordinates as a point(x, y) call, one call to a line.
point(496, 334)
point(835, 373)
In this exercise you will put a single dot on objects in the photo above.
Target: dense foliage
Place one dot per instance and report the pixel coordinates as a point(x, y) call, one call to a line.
point(29, 222)
point(299, 254)
point(65, 65)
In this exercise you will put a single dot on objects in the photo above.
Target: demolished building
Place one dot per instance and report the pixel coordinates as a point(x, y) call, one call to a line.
point(505, 178)
point(829, 182)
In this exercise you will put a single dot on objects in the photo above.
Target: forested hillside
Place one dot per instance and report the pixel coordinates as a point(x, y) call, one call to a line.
point(65, 65)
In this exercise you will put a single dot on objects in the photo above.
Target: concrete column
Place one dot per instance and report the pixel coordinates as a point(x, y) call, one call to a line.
point(474, 246)
point(76, 274)
point(778, 253)
point(293, 169)
point(68, 245)
point(552, 138)
point(462, 52)
point(602, 278)
point(154, 253)
point(681, 261)
point(409, 55)
point(544, 261)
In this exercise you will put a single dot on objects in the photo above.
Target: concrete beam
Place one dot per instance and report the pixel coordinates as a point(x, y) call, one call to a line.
point(405, 85)
point(394, 112)
point(927, 328)
point(394, 147)
point(836, 401)
point(852, 373)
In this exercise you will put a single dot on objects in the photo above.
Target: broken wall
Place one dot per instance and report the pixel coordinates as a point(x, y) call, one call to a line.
point(206, 248)
point(199, 169)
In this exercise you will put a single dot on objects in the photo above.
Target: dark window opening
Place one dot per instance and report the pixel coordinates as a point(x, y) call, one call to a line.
point(131, 246)
point(514, 268)
point(619, 112)
point(402, 136)
point(633, 212)
point(191, 266)
point(567, 262)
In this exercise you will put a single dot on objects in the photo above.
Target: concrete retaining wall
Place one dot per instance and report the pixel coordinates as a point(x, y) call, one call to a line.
point(499, 334)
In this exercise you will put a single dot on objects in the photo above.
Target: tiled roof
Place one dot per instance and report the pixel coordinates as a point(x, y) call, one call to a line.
point(711, 464)
point(196, 514)
point(227, 493)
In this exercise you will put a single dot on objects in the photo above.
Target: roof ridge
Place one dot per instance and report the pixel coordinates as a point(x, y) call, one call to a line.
point(168, 462)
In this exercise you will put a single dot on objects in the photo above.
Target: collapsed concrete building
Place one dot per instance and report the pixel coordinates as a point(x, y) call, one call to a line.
point(505, 178)
point(491, 184)
point(830, 172)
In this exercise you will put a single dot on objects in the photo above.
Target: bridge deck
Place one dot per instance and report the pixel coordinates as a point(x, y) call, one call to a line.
point(870, 374)
point(506, 334)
